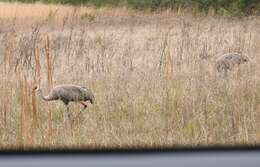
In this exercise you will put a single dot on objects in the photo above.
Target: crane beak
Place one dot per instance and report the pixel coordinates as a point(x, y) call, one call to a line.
point(34, 90)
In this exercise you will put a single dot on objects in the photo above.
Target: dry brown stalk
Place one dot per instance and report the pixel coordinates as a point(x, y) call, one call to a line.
point(50, 82)
point(37, 73)
point(34, 110)
point(21, 131)
point(4, 110)
point(8, 58)
point(49, 63)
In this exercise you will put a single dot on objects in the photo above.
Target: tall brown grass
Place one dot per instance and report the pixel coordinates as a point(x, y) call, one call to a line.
point(152, 74)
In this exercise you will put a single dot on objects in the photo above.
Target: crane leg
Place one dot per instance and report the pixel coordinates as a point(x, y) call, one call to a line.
point(67, 113)
point(84, 107)
point(84, 104)
point(67, 116)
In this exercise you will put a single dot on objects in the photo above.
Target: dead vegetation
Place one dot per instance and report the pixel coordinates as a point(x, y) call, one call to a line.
point(152, 74)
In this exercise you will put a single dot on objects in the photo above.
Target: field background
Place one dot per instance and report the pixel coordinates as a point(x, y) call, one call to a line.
point(152, 74)
point(218, 7)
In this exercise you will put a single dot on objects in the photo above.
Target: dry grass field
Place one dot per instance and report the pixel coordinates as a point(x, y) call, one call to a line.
point(153, 76)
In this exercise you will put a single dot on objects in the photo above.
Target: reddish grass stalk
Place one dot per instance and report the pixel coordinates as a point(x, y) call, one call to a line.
point(50, 82)
point(4, 115)
point(34, 110)
point(37, 77)
point(7, 59)
point(37, 72)
point(20, 136)
point(49, 63)
point(27, 116)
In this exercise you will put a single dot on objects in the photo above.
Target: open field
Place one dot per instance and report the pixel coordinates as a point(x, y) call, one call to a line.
point(152, 75)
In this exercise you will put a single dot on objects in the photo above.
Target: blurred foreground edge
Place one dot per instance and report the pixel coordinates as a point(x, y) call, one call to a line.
point(242, 156)
point(132, 150)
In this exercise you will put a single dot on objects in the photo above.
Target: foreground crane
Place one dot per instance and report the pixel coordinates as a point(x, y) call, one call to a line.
point(67, 94)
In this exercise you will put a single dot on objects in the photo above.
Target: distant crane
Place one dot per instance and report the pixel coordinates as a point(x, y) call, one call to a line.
point(228, 61)
point(67, 94)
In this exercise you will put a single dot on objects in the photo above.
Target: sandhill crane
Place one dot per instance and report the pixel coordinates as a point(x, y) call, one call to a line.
point(228, 61)
point(67, 94)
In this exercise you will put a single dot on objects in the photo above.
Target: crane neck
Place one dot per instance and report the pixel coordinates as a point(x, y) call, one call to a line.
point(45, 98)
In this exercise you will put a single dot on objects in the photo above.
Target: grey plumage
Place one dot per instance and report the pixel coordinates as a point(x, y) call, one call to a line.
point(228, 61)
point(67, 94)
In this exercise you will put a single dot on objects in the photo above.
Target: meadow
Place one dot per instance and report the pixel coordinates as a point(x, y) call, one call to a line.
point(153, 75)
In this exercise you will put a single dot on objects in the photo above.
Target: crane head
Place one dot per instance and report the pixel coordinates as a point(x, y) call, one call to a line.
point(35, 87)
point(245, 59)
